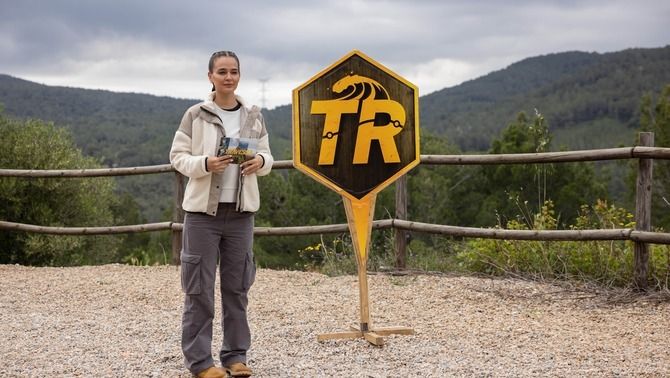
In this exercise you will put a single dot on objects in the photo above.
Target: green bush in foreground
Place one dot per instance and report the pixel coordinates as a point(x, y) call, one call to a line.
point(607, 263)
point(57, 202)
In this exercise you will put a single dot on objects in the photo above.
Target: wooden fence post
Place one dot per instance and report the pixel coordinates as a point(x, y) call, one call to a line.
point(643, 212)
point(400, 213)
point(177, 217)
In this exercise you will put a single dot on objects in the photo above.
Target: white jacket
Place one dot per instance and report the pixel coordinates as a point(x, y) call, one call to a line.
point(197, 138)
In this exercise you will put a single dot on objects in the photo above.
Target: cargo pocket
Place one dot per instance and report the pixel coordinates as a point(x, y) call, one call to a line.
point(249, 271)
point(190, 274)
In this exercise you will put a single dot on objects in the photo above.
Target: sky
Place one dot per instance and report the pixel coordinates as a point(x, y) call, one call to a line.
point(162, 47)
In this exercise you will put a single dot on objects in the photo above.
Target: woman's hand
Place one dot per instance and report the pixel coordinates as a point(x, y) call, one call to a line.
point(216, 164)
point(252, 165)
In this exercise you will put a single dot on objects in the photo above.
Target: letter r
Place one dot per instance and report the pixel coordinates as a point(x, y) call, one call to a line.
point(367, 132)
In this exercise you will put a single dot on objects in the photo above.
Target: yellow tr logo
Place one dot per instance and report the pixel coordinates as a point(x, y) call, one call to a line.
point(379, 118)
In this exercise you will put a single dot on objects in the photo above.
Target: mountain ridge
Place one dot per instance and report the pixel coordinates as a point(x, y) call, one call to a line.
point(554, 84)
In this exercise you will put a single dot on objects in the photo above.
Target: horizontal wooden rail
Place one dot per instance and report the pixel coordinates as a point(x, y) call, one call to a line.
point(163, 226)
point(282, 164)
point(541, 235)
point(101, 172)
point(315, 230)
point(650, 237)
point(550, 157)
point(486, 159)
point(470, 232)
point(97, 172)
point(499, 233)
point(86, 230)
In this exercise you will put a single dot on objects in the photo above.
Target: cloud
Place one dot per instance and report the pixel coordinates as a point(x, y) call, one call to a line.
point(162, 47)
point(439, 73)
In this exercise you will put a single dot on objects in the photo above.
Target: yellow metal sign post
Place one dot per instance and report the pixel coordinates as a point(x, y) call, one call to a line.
point(356, 130)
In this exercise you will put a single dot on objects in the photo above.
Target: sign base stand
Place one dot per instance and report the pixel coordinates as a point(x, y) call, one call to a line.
point(374, 337)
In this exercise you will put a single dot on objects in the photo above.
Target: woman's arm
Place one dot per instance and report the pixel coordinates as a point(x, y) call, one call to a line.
point(181, 156)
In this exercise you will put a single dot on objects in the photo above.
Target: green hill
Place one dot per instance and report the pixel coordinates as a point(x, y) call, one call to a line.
point(123, 129)
point(589, 100)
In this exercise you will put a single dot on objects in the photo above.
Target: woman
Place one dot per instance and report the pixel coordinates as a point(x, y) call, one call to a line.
point(220, 200)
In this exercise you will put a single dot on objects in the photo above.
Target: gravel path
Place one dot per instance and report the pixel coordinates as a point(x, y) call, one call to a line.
point(124, 321)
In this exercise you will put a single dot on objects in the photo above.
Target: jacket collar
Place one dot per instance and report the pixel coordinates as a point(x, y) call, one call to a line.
point(210, 108)
point(212, 95)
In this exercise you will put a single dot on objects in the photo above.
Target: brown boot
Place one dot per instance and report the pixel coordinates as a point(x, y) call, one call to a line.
point(238, 369)
point(212, 372)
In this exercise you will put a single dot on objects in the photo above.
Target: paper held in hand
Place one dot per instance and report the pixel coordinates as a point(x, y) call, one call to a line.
point(241, 149)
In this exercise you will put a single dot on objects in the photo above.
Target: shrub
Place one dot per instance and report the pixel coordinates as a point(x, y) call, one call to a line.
point(607, 263)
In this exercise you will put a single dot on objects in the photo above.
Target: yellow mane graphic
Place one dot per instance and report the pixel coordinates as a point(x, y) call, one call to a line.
point(359, 87)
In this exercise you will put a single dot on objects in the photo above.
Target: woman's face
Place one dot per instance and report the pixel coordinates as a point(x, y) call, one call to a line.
point(225, 75)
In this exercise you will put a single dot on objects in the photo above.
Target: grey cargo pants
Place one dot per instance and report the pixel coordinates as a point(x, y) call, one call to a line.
point(227, 239)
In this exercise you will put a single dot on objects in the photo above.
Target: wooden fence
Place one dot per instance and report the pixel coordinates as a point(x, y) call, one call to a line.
point(641, 235)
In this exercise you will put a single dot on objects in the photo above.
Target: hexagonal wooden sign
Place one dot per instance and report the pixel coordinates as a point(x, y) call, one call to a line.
point(356, 126)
